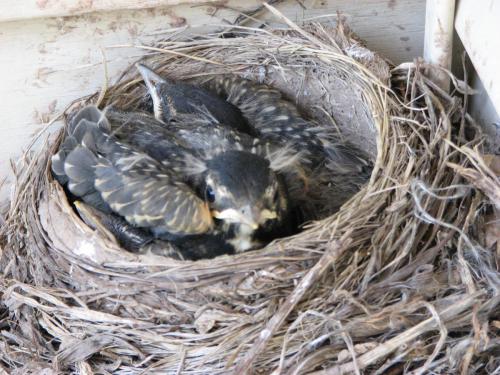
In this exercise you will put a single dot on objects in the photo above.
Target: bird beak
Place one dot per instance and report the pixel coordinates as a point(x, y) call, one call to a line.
point(149, 76)
point(248, 216)
point(267, 215)
point(235, 216)
point(152, 80)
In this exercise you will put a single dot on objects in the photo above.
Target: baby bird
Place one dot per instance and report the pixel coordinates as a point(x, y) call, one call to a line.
point(239, 176)
point(131, 166)
point(172, 99)
point(278, 120)
point(328, 168)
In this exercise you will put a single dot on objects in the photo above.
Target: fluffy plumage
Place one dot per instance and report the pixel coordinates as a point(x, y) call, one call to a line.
point(325, 166)
point(329, 166)
point(156, 177)
point(219, 165)
point(192, 247)
point(113, 177)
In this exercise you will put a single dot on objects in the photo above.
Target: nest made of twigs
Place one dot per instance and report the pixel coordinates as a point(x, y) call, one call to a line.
point(399, 278)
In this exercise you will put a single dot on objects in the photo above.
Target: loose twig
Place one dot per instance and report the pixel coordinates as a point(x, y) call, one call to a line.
point(336, 249)
point(393, 344)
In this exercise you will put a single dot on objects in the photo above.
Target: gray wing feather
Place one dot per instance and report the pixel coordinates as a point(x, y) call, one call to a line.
point(274, 117)
point(109, 175)
point(151, 199)
point(279, 120)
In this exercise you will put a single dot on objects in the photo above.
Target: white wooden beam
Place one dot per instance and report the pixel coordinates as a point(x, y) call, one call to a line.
point(477, 25)
point(14, 10)
point(439, 15)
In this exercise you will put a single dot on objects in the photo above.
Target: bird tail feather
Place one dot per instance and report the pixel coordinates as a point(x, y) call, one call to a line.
point(74, 164)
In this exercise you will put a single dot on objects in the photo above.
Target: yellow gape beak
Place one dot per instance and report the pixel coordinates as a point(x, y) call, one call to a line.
point(246, 215)
point(234, 216)
point(266, 214)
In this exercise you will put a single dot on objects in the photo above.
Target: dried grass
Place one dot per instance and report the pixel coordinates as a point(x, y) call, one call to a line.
point(399, 279)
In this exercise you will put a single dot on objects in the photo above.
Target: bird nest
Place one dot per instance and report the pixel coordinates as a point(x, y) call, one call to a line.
point(402, 277)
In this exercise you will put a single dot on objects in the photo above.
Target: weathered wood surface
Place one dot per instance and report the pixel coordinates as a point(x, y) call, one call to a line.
point(14, 10)
point(46, 63)
point(438, 39)
point(477, 27)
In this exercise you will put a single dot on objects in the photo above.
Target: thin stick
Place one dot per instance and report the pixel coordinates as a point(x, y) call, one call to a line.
point(168, 51)
point(294, 26)
point(277, 320)
point(393, 344)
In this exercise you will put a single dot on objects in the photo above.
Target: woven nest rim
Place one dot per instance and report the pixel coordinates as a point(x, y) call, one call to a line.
point(128, 87)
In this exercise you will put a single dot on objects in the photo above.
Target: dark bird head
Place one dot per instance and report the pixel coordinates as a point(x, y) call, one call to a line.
point(242, 188)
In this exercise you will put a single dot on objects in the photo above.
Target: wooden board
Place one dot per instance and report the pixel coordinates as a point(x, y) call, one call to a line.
point(395, 28)
point(46, 63)
point(15, 10)
point(477, 27)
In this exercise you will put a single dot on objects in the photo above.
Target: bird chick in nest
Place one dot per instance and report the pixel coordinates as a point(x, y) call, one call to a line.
point(123, 168)
point(328, 167)
point(171, 99)
point(240, 177)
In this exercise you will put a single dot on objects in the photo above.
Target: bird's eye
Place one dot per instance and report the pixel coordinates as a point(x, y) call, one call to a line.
point(209, 193)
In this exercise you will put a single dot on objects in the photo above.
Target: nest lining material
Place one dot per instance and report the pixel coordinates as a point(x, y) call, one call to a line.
point(398, 278)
